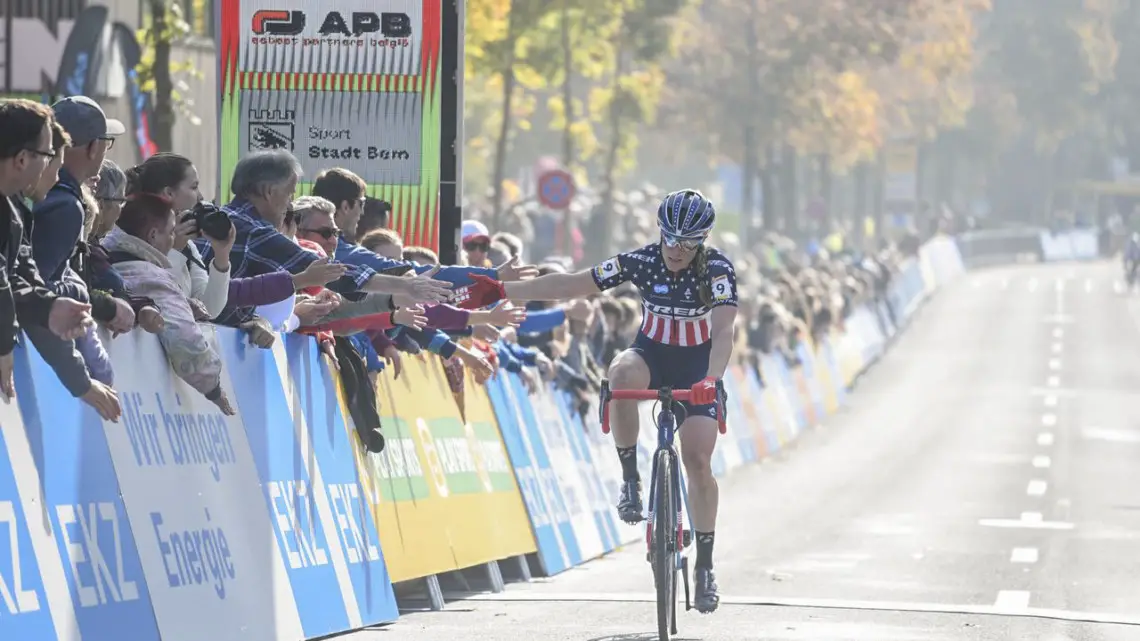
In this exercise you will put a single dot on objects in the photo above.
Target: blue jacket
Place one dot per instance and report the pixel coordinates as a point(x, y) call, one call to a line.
point(57, 225)
point(352, 254)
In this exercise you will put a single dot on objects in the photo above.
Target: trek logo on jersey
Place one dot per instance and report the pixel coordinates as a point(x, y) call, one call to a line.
point(608, 269)
point(676, 312)
point(688, 293)
point(722, 289)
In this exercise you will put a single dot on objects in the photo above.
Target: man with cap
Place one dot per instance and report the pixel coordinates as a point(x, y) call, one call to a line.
point(57, 230)
point(476, 242)
point(59, 217)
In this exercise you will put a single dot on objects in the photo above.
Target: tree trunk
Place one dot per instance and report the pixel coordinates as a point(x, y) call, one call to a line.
point(789, 190)
point(609, 180)
point(878, 187)
point(567, 88)
point(769, 212)
point(162, 129)
point(826, 186)
point(862, 193)
point(748, 173)
point(498, 173)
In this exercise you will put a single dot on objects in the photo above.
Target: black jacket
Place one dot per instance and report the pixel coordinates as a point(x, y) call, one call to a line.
point(23, 296)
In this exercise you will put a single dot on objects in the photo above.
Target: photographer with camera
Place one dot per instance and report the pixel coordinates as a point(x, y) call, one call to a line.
point(175, 178)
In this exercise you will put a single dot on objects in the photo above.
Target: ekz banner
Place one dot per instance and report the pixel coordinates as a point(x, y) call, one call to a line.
point(355, 86)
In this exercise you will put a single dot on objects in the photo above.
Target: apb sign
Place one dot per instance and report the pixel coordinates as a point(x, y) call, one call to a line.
point(355, 85)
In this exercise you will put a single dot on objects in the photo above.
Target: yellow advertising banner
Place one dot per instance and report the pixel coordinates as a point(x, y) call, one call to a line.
point(442, 492)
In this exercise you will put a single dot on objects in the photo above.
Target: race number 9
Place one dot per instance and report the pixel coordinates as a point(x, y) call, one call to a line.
point(608, 269)
point(721, 288)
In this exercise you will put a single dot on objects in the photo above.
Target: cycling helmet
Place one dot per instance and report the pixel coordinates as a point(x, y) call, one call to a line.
point(686, 214)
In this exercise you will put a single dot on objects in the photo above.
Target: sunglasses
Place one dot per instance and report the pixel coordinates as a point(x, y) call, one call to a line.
point(479, 246)
point(323, 232)
point(43, 154)
point(688, 244)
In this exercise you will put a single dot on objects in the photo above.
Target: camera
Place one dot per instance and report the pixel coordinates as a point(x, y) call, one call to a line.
point(211, 220)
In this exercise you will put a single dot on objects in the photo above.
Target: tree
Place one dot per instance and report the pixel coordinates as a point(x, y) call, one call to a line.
point(160, 75)
point(642, 38)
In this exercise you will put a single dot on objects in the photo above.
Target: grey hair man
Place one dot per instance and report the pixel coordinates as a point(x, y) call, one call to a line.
point(263, 185)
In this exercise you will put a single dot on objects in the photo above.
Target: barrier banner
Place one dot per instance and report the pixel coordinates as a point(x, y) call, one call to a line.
point(72, 508)
point(556, 435)
point(444, 495)
point(351, 84)
point(608, 469)
point(323, 528)
point(194, 501)
point(812, 394)
point(599, 502)
point(549, 518)
point(737, 424)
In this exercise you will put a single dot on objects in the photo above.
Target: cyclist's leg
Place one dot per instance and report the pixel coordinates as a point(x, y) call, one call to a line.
point(698, 439)
point(629, 370)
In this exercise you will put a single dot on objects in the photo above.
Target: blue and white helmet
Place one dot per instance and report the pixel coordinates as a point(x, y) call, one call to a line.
point(686, 214)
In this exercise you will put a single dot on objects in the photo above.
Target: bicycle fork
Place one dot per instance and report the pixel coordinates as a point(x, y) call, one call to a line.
point(681, 499)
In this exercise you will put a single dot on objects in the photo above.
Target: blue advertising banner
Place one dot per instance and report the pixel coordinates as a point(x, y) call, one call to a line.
point(314, 390)
point(68, 447)
point(550, 519)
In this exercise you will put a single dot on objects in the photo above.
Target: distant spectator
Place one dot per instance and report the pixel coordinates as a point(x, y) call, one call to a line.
point(421, 255)
point(139, 247)
point(384, 242)
point(377, 215)
point(476, 242)
point(110, 195)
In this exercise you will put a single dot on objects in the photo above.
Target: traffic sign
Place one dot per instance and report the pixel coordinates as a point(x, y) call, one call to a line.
point(556, 189)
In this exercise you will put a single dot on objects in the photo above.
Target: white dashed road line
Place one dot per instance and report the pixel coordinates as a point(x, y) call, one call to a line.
point(1045, 439)
point(1051, 401)
point(1029, 521)
point(1012, 600)
point(1049, 420)
point(1023, 555)
point(1042, 462)
point(1054, 381)
point(1036, 487)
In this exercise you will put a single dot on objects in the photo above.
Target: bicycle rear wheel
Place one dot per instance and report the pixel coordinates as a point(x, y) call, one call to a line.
point(664, 545)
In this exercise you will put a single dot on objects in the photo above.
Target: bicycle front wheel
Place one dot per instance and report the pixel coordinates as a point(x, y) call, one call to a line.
point(664, 543)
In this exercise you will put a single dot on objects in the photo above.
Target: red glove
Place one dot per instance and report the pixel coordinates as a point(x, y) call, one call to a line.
point(704, 392)
point(482, 292)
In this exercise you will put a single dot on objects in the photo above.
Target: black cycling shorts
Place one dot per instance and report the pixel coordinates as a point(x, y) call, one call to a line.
point(676, 367)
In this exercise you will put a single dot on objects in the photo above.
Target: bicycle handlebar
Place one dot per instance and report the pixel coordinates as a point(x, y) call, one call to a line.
point(662, 394)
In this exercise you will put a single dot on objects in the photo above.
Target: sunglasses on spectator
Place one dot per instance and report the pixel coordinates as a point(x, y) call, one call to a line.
point(323, 232)
point(109, 140)
point(480, 245)
point(688, 244)
point(44, 154)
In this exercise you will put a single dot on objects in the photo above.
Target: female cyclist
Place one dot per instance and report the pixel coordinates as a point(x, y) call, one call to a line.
point(688, 292)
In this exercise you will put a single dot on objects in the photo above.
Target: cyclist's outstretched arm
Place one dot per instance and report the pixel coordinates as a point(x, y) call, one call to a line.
point(553, 287)
point(723, 338)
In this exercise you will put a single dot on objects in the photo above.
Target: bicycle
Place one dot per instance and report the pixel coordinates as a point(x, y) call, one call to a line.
point(664, 527)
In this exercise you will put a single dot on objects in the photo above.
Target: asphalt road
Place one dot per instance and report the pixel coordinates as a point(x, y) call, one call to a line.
point(983, 484)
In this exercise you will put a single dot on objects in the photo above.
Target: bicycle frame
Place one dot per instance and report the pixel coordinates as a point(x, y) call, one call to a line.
point(666, 434)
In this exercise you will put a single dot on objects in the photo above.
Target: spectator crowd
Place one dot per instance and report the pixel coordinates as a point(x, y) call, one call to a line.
point(93, 251)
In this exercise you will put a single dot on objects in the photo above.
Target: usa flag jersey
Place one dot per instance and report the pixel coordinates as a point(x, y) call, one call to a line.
point(672, 310)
